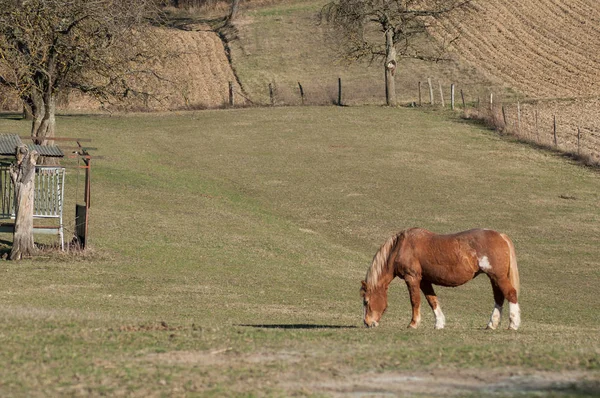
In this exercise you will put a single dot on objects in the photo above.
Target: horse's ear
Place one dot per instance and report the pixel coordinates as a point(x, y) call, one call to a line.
point(363, 288)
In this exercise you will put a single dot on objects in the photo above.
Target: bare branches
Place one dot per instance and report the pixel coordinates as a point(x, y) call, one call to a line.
point(360, 23)
point(58, 44)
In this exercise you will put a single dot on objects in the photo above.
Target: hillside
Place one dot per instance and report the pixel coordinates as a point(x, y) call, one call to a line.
point(535, 49)
point(538, 49)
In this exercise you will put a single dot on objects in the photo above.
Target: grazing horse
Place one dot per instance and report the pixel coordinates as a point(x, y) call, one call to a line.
point(423, 259)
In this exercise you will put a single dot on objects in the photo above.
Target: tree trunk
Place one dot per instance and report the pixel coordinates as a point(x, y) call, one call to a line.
point(235, 5)
point(390, 68)
point(22, 173)
point(43, 126)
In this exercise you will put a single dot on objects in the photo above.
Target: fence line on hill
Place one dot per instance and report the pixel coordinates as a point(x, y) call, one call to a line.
point(556, 124)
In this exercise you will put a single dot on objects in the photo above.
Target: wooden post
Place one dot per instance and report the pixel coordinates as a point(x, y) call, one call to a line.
point(578, 140)
point(301, 93)
point(420, 103)
point(555, 139)
point(231, 99)
point(518, 118)
point(339, 91)
point(491, 101)
point(462, 95)
point(271, 94)
point(442, 96)
point(430, 91)
point(504, 117)
point(537, 132)
point(452, 96)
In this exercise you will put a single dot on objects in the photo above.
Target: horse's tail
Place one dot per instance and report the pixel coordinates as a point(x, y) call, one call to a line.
point(380, 260)
point(513, 270)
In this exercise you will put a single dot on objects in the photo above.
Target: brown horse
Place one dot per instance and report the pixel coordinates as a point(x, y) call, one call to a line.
point(423, 259)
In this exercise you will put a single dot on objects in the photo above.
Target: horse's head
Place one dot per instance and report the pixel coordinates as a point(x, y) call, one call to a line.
point(375, 304)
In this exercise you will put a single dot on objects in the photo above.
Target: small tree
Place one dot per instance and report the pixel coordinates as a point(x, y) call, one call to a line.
point(387, 29)
point(53, 46)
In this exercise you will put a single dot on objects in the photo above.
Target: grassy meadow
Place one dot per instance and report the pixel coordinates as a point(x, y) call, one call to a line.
point(227, 249)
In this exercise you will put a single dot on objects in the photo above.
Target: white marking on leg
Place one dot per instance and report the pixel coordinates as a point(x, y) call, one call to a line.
point(515, 316)
point(495, 318)
point(484, 264)
point(440, 319)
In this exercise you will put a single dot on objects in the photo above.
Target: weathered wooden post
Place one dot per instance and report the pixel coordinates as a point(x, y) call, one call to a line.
point(420, 102)
point(442, 96)
point(301, 93)
point(462, 95)
point(430, 91)
point(578, 140)
point(518, 117)
point(231, 94)
point(452, 96)
point(271, 94)
point(555, 138)
point(22, 174)
point(339, 91)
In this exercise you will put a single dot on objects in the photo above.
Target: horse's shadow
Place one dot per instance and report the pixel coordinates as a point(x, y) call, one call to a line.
point(296, 326)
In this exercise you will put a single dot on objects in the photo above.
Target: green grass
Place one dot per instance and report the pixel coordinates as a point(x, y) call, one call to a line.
point(208, 226)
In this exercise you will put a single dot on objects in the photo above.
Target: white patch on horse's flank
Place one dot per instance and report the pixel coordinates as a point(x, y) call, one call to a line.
point(484, 264)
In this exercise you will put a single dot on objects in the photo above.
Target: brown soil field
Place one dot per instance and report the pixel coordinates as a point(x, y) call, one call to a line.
point(540, 48)
point(195, 75)
point(548, 52)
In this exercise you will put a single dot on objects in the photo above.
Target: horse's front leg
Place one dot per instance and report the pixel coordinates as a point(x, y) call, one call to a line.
point(414, 290)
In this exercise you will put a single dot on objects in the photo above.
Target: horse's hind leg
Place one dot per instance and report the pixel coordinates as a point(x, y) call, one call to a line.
point(503, 288)
point(427, 289)
point(497, 312)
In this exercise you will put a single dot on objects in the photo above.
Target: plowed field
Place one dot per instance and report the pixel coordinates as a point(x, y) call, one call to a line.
point(541, 48)
point(195, 75)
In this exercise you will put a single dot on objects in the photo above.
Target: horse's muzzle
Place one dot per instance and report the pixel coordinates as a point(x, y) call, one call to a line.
point(373, 324)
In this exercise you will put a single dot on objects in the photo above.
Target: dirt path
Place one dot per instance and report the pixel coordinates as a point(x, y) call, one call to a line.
point(444, 383)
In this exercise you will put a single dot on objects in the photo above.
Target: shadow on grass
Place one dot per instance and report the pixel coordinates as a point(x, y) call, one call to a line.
point(297, 326)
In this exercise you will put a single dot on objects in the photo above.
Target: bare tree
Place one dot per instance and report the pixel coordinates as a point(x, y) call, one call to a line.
point(53, 46)
point(386, 30)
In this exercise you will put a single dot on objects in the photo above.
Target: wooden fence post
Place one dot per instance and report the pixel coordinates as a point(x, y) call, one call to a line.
point(504, 117)
point(518, 118)
point(537, 131)
point(452, 96)
point(578, 140)
point(442, 96)
point(420, 102)
point(555, 139)
point(231, 94)
point(339, 91)
point(491, 101)
point(462, 95)
point(430, 91)
point(301, 93)
point(271, 94)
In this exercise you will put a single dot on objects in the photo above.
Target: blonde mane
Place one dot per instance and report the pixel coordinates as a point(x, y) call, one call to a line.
point(380, 261)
